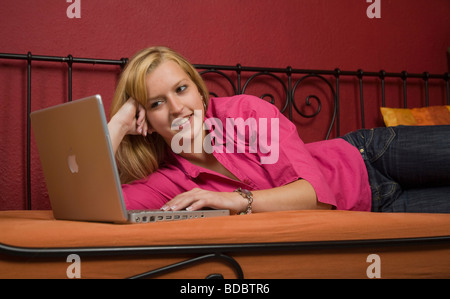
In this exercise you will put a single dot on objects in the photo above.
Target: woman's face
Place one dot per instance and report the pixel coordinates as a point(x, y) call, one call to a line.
point(172, 99)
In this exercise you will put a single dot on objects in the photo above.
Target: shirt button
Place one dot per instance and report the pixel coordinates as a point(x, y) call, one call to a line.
point(361, 150)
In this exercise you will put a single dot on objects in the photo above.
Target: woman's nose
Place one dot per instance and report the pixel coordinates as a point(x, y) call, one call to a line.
point(175, 106)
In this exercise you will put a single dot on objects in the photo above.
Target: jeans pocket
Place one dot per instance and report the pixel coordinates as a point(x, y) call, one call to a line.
point(378, 141)
point(384, 195)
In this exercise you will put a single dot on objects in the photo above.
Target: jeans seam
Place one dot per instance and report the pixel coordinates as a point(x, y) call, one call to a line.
point(369, 140)
point(386, 145)
point(380, 198)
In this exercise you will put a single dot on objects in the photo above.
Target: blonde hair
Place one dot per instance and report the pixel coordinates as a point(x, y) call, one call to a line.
point(139, 156)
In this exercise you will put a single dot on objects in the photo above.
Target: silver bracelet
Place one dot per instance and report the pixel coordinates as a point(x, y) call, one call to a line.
point(247, 195)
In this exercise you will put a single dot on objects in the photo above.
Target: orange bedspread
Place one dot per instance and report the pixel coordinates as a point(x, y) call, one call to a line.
point(38, 229)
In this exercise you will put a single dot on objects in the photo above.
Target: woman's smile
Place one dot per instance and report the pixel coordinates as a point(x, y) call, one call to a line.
point(180, 122)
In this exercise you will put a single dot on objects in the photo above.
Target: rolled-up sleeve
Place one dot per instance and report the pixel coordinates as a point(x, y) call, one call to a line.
point(334, 168)
point(294, 161)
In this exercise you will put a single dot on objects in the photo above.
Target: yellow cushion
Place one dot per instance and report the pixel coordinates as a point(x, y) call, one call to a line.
point(426, 116)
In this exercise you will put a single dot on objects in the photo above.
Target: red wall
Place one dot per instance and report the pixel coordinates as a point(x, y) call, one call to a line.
point(318, 34)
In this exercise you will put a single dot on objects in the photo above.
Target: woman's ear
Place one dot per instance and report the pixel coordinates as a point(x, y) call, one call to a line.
point(203, 101)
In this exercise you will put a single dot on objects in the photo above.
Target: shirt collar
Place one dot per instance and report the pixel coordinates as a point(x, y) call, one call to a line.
point(184, 165)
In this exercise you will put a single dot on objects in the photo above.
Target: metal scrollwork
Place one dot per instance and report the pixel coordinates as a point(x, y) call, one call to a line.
point(308, 103)
point(316, 98)
point(268, 94)
point(223, 75)
point(194, 261)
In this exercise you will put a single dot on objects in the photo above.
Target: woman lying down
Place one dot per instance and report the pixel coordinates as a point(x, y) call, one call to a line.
point(178, 148)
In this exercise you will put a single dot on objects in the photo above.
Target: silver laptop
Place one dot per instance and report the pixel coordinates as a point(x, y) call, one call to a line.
point(80, 169)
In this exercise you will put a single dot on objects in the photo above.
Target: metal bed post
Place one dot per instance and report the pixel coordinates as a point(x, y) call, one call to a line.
point(404, 76)
point(290, 91)
point(426, 75)
point(69, 69)
point(360, 74)
point(239, 83)
point(29, 58)
point(337, 73)
point(446, 78)
point(383, 90)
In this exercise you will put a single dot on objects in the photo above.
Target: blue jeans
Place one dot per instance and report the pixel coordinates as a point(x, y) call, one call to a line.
point(408, 167)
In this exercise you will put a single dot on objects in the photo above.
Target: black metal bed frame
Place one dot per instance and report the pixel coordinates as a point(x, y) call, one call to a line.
point(290, 79)
point(289, 84)
point(219, 252)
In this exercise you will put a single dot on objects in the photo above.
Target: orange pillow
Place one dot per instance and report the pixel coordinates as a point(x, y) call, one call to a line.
point(426, 116)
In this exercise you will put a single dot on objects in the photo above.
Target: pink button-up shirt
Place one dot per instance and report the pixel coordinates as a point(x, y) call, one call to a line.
point(334, 168)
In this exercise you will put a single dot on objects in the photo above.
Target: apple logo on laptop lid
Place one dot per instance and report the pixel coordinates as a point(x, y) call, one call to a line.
point(72, 162)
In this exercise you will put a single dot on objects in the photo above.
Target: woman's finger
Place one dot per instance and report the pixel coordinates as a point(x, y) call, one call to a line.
point(181, 201)
point(141, 121)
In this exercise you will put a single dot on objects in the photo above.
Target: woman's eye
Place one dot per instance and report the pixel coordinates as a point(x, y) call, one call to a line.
point(156, 103)
point(181, 88)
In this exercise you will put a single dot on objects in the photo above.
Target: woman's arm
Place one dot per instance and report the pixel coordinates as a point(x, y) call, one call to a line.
point(298, 195)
